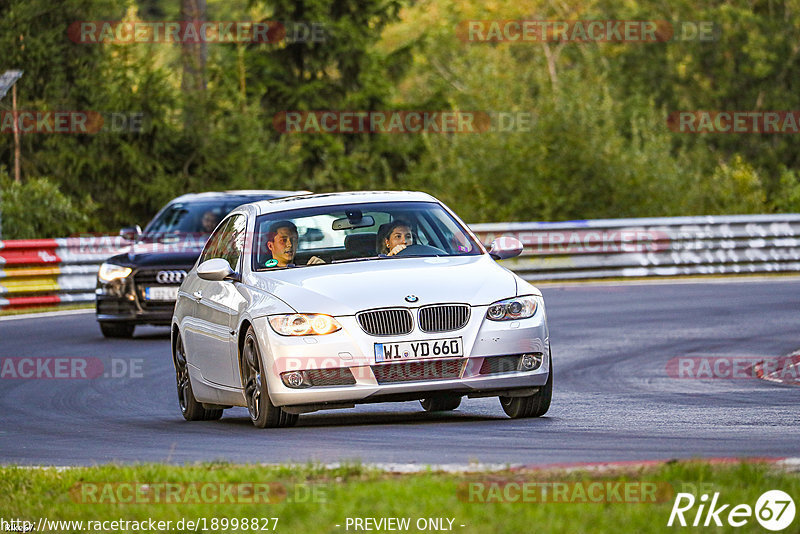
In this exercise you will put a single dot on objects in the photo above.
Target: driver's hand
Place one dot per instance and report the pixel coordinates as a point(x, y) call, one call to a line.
point(397, 249)
point(314, 260)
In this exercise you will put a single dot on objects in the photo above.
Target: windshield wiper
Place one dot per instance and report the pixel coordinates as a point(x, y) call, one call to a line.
point(366, 258)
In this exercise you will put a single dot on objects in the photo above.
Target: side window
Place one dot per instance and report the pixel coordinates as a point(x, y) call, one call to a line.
point(217, 240)
point(232, 243)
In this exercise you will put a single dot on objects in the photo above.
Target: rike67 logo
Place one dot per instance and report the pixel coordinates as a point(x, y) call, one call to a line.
point(774, 510)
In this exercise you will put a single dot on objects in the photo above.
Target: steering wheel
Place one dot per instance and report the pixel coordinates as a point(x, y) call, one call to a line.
point(420, 250)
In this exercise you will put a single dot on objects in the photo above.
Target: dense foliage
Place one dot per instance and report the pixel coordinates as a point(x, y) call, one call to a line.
point(599, 145)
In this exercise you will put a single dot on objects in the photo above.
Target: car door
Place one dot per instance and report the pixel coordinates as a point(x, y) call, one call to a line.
point(217, 305)
point(192, 326)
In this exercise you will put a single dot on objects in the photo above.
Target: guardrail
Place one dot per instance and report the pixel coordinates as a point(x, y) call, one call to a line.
point(55, 271)
point(674, 246)
point(49, 272)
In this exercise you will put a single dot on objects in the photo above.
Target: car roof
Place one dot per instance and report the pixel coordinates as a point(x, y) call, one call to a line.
point(245, 195)
point(332, 199)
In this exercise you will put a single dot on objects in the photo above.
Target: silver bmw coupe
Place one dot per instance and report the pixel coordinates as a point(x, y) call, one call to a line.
point(325, 301)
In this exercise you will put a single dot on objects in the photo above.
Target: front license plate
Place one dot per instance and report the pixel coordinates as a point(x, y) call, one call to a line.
point(161, 293)
point(414, 350)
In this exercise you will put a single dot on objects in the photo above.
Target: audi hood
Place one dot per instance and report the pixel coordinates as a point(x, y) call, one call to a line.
point(152, 256)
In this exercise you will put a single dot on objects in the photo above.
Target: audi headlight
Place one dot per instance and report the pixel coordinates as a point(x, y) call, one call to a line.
point(513, 309)
point(304, 324)
point(109, 272)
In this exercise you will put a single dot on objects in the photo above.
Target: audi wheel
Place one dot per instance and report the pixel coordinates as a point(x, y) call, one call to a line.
point(117, 330)
point(441, 404)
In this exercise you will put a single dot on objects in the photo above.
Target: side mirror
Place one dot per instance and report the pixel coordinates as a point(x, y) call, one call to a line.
point(216, 270)
point(131, 233)
point(503, 248)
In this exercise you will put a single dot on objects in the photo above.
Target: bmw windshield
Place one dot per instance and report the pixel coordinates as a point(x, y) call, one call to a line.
point(355, 232)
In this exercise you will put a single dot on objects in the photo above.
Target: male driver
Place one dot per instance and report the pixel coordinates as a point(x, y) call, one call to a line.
point(209, 221)
point(282, 243)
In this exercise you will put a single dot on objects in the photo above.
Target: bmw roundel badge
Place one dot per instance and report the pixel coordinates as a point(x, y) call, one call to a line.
point(412, 298)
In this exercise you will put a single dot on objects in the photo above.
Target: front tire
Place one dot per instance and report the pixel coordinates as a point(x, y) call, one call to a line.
point(263, 413)
point(117, 330)
point(535, 405)
point(190, 408)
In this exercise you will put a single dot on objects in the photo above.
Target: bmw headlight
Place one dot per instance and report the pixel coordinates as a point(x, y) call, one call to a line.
point(109, 272)
point(304, 324)
point(513, 309)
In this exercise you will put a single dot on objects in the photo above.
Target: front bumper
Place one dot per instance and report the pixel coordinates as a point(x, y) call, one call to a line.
point(118, 310)
point(123, 301)
point(490, 363)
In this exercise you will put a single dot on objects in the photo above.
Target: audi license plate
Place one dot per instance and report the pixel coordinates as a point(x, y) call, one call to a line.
point(414, 350)
point(161, 293)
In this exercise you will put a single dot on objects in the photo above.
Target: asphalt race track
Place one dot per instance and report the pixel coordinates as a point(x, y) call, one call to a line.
point(613, 399)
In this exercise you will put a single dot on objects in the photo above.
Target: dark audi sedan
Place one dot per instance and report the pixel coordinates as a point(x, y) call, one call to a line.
point(140, 285)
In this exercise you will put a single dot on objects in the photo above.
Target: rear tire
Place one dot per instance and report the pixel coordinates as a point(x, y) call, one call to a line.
point(117, 330)
point(263, 413)
point(535, 405)
point(190, 408)
point(440, 404)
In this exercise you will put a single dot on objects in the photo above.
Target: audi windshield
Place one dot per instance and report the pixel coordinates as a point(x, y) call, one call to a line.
point(180, 219)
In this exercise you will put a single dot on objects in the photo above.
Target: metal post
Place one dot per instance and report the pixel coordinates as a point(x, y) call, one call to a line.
point(7, 81)
point(17, 178)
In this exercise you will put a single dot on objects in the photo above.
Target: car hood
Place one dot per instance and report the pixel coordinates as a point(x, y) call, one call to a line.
point(158, 254)
point(346, 288)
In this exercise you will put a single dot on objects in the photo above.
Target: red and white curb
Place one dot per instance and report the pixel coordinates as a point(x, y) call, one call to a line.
point(784, 464)
point(788, 374)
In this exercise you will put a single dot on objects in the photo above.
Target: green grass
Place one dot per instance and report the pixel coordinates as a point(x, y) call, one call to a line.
point(357, 491)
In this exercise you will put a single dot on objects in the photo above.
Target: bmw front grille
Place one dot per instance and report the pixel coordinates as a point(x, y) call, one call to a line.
point(386, 322)
point(399, 321)
point(443, 318)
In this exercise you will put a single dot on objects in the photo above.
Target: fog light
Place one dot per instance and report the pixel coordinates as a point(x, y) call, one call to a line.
point(531, 362)
point(293, 379)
